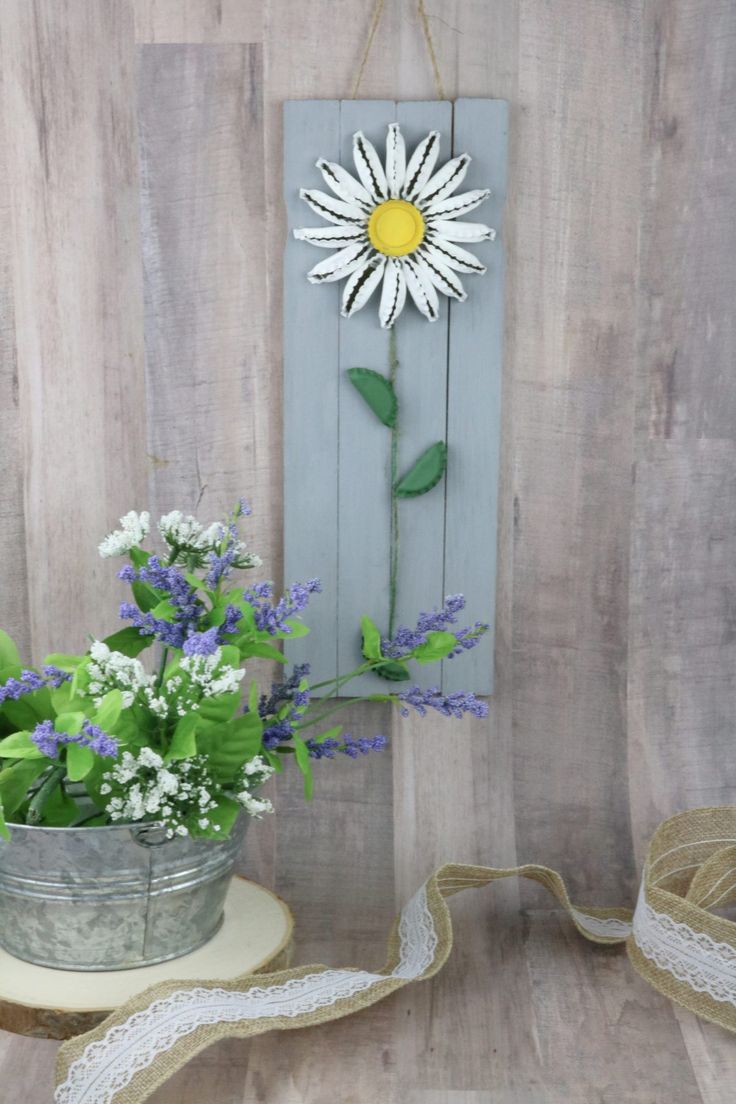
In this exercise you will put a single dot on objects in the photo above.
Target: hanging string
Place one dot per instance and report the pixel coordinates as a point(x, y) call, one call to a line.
point(424, 20)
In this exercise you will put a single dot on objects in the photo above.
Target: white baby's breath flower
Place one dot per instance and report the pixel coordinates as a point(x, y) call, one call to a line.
point(134, 529)
point(114, 671)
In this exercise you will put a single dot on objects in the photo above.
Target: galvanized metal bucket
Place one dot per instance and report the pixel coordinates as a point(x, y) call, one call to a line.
point(111, 898)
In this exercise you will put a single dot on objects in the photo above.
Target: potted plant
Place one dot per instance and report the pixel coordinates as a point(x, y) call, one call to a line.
point(125, 790)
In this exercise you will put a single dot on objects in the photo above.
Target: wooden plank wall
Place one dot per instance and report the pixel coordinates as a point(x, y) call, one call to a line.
point(140, 282)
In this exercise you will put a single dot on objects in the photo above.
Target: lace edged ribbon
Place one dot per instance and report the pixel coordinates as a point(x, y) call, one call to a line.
point(682, 949)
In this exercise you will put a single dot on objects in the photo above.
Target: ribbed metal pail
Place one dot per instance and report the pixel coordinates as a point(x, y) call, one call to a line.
point(111, 898)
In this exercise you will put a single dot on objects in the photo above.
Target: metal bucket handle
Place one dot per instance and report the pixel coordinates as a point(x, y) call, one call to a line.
point(149, 835)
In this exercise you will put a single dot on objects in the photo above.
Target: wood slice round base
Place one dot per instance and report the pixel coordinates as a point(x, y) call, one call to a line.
point(58, 1004)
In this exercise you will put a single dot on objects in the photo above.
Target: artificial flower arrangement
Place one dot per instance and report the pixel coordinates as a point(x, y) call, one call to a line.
point(99, 739)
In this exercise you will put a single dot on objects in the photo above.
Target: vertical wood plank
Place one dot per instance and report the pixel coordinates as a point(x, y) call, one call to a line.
point(576, 245)
point(474, 398)
point(197, 21)
point(311, 391)
point(70, 130)
point(202, 216)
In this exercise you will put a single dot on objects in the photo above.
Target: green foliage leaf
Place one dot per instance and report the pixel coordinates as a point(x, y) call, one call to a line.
point(228, 746)
point(63, 661)
point(219, 709)
point(425, 473)
point(296, 629)
point(3, 826)
point(69, 723)
point(79, 761)
point(27, 711)
point(109, 710)
point(164, 611)
point(146, 598)
point(378, 392)
point(393, 671)
point(60, 810)
point(371, 639)
point(304, 763)
point(15, 780)
point(330, 734)
point(8, 651)
point(128, 641)
point(224, 815)
point(139, 557)
point(253, 696)
point(19, 745)
point(183, 742)
point(438, 645)
point(261, 650)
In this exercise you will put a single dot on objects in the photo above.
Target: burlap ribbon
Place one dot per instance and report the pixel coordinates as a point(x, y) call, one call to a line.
point(678, 946)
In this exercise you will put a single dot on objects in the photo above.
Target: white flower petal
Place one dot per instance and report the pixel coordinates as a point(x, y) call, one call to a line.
point(462, 231)
point(454, 206)
point(361, 285)
point(331, 237)
point(334, 210)
point(445, 180)
point(395, 160)
point(441, 275)
point(421, 289)
point(393, 294)
point(421, 165)
point(343, 184)
point(453, 256)
point(370, 169)
point(340, 264)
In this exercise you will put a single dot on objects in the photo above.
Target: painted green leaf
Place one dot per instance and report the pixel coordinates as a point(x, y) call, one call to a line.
point(437, 646)
point(371, 639)
point(425, 474)
point(378, 392)
point(79, 761)
point(8, 651)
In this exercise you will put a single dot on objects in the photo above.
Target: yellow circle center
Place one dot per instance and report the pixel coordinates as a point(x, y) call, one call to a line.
point(396, 228)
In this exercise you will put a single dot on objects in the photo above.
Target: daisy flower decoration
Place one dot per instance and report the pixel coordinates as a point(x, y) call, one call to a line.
point(396, 225)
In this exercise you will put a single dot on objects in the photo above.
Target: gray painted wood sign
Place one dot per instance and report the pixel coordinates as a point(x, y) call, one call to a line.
point(338, 451)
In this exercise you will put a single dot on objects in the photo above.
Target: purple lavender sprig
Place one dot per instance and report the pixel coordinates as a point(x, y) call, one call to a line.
point(29, 681)
point(188, 610)
point(328, 749)
point(405, 640)
point(455, 704)
point(273, 618)
point(48, 740)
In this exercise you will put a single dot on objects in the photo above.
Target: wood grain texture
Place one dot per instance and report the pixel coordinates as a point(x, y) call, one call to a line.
point(614, 619)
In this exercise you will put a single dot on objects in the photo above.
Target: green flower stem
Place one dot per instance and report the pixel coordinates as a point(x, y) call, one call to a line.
point(393, 370)
point(43, 793)
point(328, 713)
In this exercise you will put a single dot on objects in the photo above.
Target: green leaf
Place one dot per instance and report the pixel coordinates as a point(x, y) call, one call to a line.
point(371, 639)
point(272, 758)
point(25, 713)
point(60, 810)
point(19, 745)
point(79, 761)
point(228, 746)
point(128, 642)
point(109, 710)
point(164, 611)
point(219, 709)
point(425, 473)
point(393, 671)
point(224, 815)
point(3, 826)
point(69, 723)
point(304, 763)
point(146, 598)
point(63, 661)
point(15, 780)
point(253, 697)
point(139, 557)
point(261, 650)
point(229, 656)
point(378, 392)
point(438, 645)
point(331, 734)
point(297, 629)
point(8, 652)
point(183, 742)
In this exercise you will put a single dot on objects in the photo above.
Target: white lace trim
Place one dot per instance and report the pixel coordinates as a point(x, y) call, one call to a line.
point(110, 1064)
point(690, 956)
point(609, 927)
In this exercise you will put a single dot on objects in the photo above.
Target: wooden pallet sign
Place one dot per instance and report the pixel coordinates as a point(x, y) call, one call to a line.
point(337, 454)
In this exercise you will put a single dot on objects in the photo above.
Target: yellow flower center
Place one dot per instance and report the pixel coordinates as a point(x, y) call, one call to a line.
point(396, 228)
